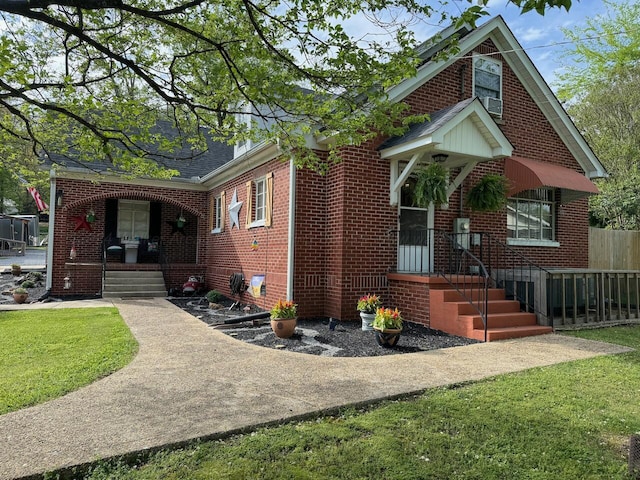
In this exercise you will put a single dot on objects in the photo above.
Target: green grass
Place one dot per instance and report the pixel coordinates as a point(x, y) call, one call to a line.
point(47, 353)
point(568, 421)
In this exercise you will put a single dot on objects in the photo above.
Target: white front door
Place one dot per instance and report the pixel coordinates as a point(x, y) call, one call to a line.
point(133, 219)
point(415, 233)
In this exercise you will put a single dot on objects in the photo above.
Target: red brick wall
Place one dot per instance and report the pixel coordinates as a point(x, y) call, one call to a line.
point(232, 252)
point(359, 251)
point(532, 137)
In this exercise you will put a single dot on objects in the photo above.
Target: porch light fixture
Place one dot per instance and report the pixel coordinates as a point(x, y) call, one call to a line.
point(59, 196)
point(440, 157)
point(67, 282)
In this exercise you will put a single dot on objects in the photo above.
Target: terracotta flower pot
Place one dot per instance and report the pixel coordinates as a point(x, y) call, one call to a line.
point(283, 327)
point(20, 297)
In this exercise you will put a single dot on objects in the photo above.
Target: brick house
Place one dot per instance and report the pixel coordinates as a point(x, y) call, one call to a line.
point(325, 240)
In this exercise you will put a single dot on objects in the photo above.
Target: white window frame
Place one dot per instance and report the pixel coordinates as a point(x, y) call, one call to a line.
point(217, 214)
point(138, 224)
point(513, 209)
point(259, 202)
point(480, 61)
point(245, 119)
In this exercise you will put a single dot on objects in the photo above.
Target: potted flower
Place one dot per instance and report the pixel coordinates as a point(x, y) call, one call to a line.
point(388, 326)
point(368, 305)
point(283, 318)
point(20, 294)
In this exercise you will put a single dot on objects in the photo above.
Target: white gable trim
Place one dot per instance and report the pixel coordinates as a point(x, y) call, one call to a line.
point(497, 30)
point(470, 134)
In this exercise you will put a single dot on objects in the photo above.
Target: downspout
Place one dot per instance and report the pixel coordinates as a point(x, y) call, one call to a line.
point(292, 224)
point(52, 221)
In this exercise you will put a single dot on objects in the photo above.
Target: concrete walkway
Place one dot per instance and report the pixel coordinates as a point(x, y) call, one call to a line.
point(191, 381)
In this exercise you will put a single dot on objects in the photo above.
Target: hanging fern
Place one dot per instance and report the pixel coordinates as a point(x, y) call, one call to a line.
point(489, 194)
point(431, 186)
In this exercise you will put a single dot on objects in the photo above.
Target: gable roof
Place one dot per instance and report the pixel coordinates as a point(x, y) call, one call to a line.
point(189, 164)
point(497, 31)
point(467, 119)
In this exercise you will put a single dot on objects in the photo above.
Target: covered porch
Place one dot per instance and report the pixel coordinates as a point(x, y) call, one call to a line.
point(126, 230)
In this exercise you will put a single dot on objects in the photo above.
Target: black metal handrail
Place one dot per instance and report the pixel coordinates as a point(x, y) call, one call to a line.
point(463, 271)
point(517, 274)
point(474, 262)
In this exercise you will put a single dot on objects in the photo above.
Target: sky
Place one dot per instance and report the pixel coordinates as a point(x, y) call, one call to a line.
point(541, 36)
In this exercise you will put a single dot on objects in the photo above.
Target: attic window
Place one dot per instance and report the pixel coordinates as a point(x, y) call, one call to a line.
point(487, 77)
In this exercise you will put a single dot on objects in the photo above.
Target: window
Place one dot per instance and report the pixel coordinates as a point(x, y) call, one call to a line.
point(260, 201)
point(244, 121)
point(217, 215)
point(487, 77)
point(531, 216)
point(133, 219)
point(260, 192)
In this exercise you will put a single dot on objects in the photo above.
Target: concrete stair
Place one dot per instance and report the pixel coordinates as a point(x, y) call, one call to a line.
point(133, 283)
point(451, 313)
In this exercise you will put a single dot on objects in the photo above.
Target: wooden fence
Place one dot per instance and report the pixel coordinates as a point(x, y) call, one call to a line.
point(614, 249)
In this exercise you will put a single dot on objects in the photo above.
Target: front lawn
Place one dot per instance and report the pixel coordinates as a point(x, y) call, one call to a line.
point(569, 421)
point(47, 353)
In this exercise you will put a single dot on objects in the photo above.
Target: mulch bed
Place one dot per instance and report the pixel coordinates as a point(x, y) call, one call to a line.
point(313, 336)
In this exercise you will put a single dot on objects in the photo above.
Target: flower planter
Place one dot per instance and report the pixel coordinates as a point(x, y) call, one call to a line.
point(20, 297)
point(389, 337)
point(283, 327)
point(367, 321)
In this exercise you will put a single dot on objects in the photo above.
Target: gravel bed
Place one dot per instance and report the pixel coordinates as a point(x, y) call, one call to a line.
point(313, 336)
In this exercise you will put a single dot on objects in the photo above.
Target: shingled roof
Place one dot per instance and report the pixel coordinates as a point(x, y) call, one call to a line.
point(187, 162)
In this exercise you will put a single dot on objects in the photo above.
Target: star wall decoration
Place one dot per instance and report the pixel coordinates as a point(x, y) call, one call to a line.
point(234, 210)
point(81, 223)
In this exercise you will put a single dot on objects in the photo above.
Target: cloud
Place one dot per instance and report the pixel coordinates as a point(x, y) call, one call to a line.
point(531, 34)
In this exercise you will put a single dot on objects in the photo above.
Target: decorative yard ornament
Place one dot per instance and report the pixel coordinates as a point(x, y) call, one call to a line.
point(234, 210)
point(81, 223)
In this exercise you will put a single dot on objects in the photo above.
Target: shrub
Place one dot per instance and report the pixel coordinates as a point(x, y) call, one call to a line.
point(213, 296)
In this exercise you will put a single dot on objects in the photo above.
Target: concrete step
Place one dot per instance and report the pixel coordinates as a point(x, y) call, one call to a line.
point(133, 283)
point(143, 294)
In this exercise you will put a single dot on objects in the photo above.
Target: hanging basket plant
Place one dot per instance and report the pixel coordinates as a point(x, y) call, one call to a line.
point(431, 186)
point(489, 194)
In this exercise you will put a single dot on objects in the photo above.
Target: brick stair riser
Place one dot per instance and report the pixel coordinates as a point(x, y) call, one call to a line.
point(455, 296)
point(507, 333)
point(495, 306)
point(504, 320)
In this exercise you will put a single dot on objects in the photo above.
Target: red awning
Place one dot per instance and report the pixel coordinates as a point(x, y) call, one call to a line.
point(526, 174)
